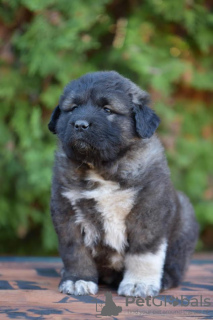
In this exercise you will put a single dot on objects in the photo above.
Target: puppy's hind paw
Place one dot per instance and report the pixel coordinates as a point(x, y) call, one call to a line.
point(79, 287)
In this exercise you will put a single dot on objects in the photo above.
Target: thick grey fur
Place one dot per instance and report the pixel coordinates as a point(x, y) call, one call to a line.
point(120, 147)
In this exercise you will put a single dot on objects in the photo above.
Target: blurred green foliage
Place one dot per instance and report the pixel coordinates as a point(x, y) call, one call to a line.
point(164, 46)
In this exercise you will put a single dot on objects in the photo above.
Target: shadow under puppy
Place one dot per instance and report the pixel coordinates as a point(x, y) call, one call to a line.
point(114, 208)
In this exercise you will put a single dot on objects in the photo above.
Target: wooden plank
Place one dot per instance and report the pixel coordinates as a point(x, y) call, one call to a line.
point(28, 290)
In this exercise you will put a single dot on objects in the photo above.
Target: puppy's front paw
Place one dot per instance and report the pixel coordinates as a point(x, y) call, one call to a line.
point(137, 289)
point(79, 287)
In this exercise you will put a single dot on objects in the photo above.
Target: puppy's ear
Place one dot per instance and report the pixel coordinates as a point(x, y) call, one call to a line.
point(146, 121)
point(53, 120)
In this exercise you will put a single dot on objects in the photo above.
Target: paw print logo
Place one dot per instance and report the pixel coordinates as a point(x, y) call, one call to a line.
point(173, 301)
point(110, 308)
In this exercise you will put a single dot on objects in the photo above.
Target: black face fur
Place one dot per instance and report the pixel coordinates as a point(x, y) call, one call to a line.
point(100, 115)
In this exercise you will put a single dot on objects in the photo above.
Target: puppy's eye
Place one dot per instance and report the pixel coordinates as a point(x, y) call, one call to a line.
point(74, 106)
point(107, 110)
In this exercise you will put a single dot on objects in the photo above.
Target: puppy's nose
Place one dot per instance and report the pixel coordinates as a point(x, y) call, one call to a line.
point(81, 124)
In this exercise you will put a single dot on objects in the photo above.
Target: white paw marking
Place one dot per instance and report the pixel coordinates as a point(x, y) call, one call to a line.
point(67, 287)
point(139, 289)
point(79, 287)
point(143, 273)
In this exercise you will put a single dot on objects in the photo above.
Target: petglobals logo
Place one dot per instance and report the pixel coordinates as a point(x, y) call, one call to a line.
point(105, 306)
point(163, 301)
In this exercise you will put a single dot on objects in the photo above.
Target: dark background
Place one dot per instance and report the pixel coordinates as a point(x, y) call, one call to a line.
point(164, 46)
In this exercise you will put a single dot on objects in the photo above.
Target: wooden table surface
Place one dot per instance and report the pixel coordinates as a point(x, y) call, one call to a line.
point(28, 290)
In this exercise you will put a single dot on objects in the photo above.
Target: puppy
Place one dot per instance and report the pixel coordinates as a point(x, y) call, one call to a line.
point(116, 213)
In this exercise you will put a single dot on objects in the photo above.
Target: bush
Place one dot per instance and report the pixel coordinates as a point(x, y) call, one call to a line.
point(164, 46)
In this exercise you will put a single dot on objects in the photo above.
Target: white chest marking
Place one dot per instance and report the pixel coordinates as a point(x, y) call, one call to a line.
point(113, 203)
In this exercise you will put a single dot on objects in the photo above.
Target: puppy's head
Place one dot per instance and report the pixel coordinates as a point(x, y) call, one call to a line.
point(100, 115)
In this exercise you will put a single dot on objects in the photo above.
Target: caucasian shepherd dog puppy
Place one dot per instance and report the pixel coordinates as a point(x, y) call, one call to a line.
point(116, 213)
